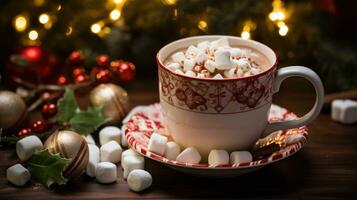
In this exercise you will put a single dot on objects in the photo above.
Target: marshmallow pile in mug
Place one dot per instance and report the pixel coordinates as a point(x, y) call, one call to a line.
point(216, 59)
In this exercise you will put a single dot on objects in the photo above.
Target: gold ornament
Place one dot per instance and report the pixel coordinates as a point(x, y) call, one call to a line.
point(72, 146)
point(12, 110)
point(113, 99)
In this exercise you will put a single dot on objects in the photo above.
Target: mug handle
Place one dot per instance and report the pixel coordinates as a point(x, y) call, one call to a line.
point(314, 79)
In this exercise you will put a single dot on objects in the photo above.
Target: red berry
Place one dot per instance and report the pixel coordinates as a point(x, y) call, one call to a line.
point(62, 80)
point(103, 76)
point(81, 78)
point(49, 110)
point(103, 61)
point(78, 71)
point(24, 132)
point(76, 58)
point(126, 71)
point(39, 126)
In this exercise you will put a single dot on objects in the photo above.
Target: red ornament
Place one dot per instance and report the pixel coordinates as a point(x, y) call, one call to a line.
point(62, 80)
point(103, 76)
point(81, 78)
point(24, 132)
point(39, 126)
point(126, 71)
point(78, 71)
point(76, 58)
point(49, 110)
point(32, 53)
point(103, 61)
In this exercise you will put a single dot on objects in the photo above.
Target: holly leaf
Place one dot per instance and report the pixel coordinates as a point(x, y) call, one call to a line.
point(85, 122)
point(67, 106)
point(47, 168)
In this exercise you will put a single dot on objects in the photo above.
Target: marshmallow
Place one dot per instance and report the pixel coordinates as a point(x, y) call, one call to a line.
point(242, 63)
point(93, 160)
point(27, 146)
point(189, 155)
point(218, 157)
point(240, 157)
point(173, 66)
point(223, 59)
point(157, 144)
point(178, 71)
point(178, 57)
point(89, 139)
point(203, 46)
point(139, 180)
point(190, 73)
point(215, 45)
point(18, 175)
point(109, 133)
point(201, 58)
point(188, 64)
point(218, 76)
point(344, 111)
point(132, 162)
point(172, 150)
point(236, 52)
point(106, 172)
point(191, 52)
point(128, 152)
point(231, 73)
point(110, 152)
point(210, 66)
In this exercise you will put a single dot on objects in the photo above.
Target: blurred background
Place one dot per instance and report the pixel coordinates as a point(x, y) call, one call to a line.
point(39, 37)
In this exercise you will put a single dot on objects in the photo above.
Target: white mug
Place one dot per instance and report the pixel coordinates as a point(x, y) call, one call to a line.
point(230, 114)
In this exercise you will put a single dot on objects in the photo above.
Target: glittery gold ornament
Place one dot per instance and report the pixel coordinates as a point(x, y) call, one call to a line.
point(72, 146)
point(12, 110)
point(113, 99)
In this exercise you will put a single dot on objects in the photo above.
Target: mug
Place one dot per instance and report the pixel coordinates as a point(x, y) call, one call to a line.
point(230, 113)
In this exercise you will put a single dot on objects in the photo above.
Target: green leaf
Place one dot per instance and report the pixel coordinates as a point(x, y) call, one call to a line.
point(85, 122)
point(47, 168)
point(67, 106)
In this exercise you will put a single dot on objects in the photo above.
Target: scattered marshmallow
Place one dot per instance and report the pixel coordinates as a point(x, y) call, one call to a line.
point(188, 64)
point(223, 59)
point(240, 157)
point(172, 150)
point(18, 175)
point(128, 152)
point(94, 157)
point(218, 76)
point(203, 46)
point(242, 63)
point(132, 162)
point(157, 144)
point(139, 180)
point(110, 152)
point(190, 73)
point(201, 58)
point(178, 57)
point(173, 66)
point(189, 155)
point(210, 66)
point(344, 111)
point(218, 157)
point(27, 146)
point(89, 139)
point(191, 52)
point(106, 172)
point(109, 133)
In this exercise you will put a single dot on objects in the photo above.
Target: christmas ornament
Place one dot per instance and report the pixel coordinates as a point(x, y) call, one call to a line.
point(24, 132)
point(76, 58)
point(62, 80)
point(103, 76)
point(39, 126)
point(12, 110)
point(103, 61)
point(69, 145)
point(126, 71)
point(81, 78)
point(113, 99)
point(49, 110)
point(78, 71)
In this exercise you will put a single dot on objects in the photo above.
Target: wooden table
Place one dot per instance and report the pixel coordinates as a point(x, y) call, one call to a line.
point(326, 168)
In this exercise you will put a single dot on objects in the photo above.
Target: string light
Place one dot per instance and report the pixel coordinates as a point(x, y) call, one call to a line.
point(33, 35)
point(118, 1)
point(20, 23)
point(247, 28)
point(169, 2)
point(202, 24)
point(115, 14)
point(43, 18)
point(283, 28)
point(95, 28)
point(278, 15)
point(69, 30)
point(59, 7)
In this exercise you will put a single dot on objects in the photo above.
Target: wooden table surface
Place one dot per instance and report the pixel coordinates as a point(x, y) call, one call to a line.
point(326, 168)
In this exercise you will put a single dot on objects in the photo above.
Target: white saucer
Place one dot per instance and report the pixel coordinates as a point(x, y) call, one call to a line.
point(142, 121)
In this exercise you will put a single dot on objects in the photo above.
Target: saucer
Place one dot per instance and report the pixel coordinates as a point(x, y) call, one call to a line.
point(142, 121)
